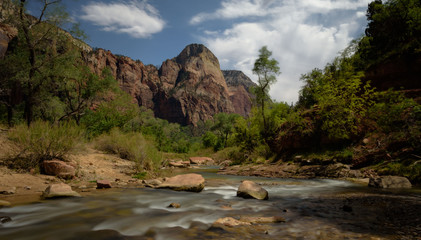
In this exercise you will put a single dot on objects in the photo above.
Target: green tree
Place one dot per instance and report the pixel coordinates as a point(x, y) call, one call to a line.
point(266, 69)
point(224, 127)
point(394, 27)
point(41, 50)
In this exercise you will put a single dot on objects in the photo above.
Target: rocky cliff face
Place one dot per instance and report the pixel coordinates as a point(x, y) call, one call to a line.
point(239, 91)
point(186, 89)
point(194, 87)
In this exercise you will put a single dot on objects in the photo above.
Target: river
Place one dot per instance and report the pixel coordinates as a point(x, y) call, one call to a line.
point(313, 209)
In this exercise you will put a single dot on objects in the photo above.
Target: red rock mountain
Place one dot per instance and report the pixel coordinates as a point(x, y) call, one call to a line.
point(186, 89)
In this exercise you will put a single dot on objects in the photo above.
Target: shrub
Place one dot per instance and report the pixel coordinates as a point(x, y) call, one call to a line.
point(44, 141)
point(131, 146)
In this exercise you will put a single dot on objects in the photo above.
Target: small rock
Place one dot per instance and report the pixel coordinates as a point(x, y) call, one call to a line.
point(5, 219)
point(28, 187)
point(389, 182)
point(366, 141)
point(4, 204)
point(100, 184)
point(174, 205)
point(59, 190)
point(249, 189)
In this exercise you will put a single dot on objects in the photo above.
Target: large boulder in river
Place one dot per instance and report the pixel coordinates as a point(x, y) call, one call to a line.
point(191, 182)
point(59, 168)
point(58, 191)
point(389, 182)
point(249, 189)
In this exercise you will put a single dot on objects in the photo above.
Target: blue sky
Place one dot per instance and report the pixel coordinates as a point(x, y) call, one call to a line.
point(302, 34)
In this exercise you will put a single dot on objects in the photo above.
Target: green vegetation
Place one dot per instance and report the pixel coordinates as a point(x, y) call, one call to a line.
point(44, 141)
point(131, 146)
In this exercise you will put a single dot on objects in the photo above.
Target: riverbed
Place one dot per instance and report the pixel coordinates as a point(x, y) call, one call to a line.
point(312, 209)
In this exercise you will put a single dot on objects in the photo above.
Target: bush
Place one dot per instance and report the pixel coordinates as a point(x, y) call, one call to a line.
point(131, 146)
point(44, 141)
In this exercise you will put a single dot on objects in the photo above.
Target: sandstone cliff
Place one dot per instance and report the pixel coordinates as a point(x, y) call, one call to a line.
point(186, 89)
point(239, 91)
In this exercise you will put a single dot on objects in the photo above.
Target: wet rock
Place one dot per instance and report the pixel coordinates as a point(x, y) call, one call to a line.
point(254, 220)
point(174, 205)
point(59, 168)
point(4, 204)
point(152, 183)
point(59, 190)
point(5, 219)
point(249, 189)
point(202, 161)
point(230, 222)
point(389, 182)
point(179, 163)
point(100, 184)
point(191, 182)
point(8, 191)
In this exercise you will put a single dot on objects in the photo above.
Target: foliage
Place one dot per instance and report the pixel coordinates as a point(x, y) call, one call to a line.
point(340, 95)
point(397, 116)
point(266, 69)
point(394, 27)
point(169, 137)
point(131, 146)
point(110, 114)
point(44, 141)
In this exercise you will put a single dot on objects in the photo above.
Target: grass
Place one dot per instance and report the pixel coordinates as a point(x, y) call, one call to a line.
point(43, 141)
point(131, 146)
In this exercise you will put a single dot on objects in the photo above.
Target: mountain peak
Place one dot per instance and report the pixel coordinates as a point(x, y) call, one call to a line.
point(196, 50)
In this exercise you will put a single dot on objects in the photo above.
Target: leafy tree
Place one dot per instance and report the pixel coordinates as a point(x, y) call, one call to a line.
point(224, 126)
point(80, 87)
point(266, 69)
point(41, 51)
point(394, 27)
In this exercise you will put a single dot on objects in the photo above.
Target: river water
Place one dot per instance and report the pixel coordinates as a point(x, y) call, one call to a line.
point(313, 209)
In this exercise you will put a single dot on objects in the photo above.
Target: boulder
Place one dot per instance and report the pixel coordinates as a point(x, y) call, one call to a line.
point(100, 184)
point(59, 168)
point(389, 182)
point(59, 190)
point(191, 182)
point(152, 183)
point(249, 189)
point(4, 204)
point(202, 161)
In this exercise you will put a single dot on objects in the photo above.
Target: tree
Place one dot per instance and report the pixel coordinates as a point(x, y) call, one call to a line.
point(41, 50)
point(224, 126)
point(266, 69)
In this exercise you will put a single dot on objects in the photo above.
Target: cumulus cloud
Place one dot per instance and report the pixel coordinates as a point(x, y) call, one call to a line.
point(301, 34)
point(139, 19)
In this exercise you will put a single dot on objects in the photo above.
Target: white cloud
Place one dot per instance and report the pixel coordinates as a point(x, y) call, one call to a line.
point(139, 19)
point(302, 35)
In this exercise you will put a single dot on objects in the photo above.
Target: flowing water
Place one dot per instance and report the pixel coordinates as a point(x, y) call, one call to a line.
point(313, 209)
